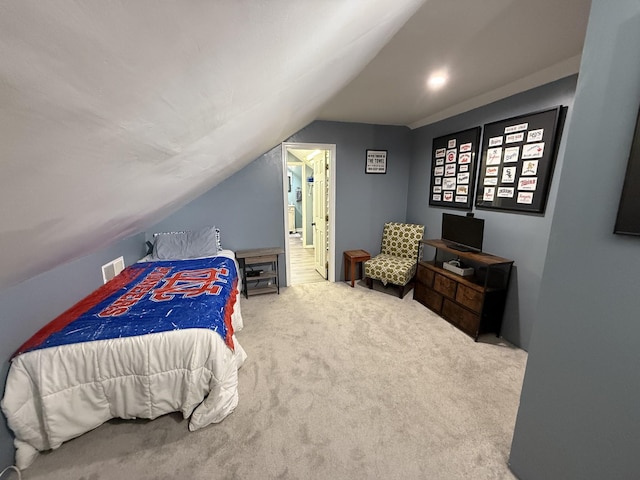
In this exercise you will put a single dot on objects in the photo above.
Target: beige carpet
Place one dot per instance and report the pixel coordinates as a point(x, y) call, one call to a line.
point(340, 383)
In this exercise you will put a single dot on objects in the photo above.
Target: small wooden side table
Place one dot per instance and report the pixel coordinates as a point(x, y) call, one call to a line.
point(351, 257)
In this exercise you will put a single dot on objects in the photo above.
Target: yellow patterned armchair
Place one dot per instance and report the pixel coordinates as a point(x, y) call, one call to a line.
point(398, 258)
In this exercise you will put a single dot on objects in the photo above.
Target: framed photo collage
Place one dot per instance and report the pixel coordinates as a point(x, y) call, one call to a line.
point(515, 167)
point(454, 168)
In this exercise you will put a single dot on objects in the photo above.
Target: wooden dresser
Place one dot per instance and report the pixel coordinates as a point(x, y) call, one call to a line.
point(474, 304)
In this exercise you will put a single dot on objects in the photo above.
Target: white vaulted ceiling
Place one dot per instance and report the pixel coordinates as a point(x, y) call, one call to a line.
point(115, 114)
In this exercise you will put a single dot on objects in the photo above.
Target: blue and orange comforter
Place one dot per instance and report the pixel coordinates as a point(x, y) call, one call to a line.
point(148, 298)
point(158, 338)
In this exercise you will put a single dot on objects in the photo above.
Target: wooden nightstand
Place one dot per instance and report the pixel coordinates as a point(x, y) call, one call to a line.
point(351, 258)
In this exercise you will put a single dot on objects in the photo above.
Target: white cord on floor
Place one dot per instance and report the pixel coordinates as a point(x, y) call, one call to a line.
point(11, 467)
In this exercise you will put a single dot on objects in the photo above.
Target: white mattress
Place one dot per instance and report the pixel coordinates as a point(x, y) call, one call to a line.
point(55, 394)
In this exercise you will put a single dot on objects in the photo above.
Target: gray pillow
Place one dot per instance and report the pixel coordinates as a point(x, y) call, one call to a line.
point(182, 245)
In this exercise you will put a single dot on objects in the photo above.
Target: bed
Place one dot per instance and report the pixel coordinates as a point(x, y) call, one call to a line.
point(157, 338)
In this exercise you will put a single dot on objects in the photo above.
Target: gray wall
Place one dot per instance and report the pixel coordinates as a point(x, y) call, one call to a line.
point(28, 306)
point(364, 202)
point(579, 414)
point(520, 237)
point(248, 206)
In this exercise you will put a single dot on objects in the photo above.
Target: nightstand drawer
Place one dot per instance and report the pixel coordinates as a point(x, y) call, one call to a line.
point(260, 259)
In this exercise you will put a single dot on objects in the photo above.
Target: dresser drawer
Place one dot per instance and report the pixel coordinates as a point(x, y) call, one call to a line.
point(425, 275)
point(444, 285)
point(462, 318)
point(433, 300)
point(426, 296)
point(469, 297)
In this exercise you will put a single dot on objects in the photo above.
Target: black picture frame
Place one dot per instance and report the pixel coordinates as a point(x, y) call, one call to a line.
point(453, 169)
point(517, 162)
point(376, 162)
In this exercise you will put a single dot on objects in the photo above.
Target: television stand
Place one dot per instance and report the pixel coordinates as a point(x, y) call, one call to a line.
point(474, 304)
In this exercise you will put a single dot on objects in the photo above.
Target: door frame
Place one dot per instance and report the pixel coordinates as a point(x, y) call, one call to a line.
point(331, 255)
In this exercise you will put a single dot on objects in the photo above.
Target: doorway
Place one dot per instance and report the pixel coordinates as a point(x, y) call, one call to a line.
point(309, 211)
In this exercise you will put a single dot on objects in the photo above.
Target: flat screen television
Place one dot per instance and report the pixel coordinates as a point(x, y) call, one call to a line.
point(628, 219)
point(461, 233)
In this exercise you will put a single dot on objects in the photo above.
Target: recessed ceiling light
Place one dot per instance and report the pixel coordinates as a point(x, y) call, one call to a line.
point(437, 80)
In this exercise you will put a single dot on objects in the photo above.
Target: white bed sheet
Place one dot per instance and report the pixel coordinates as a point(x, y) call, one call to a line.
point(55, 394)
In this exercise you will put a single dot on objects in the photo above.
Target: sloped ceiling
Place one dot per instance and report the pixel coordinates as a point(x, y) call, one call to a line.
point(114, 114)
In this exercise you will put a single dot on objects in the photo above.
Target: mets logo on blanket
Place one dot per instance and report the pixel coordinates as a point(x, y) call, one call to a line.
point(184, 284)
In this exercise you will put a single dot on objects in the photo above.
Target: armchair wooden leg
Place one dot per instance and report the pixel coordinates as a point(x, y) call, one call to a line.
point(404, 289)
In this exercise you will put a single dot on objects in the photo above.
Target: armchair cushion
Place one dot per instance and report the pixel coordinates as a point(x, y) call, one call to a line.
point(390, 269)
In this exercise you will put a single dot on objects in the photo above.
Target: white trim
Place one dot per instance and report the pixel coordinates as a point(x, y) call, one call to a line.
point(331, 258)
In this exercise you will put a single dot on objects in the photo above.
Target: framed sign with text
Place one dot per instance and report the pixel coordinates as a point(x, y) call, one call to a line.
point(453, 169)
point(376, 161)
point(518, 155)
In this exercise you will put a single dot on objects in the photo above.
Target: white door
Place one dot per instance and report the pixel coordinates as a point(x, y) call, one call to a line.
point(320, 212)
